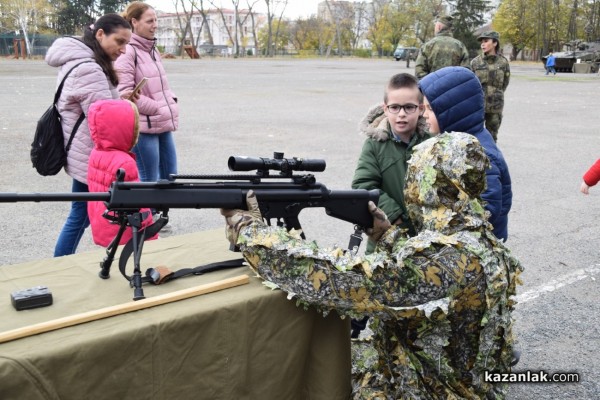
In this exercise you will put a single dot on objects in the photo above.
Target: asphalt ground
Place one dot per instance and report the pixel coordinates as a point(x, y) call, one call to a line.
point(311, 109)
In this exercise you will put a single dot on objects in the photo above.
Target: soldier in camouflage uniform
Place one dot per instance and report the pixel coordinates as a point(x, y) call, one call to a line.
point(493, 71)
point(441, 51)
point(440, 301)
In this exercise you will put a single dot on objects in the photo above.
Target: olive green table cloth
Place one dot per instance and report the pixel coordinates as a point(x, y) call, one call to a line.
point(246, 342)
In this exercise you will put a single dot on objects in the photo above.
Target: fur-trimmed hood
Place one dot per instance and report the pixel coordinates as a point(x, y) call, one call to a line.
point(375, 124)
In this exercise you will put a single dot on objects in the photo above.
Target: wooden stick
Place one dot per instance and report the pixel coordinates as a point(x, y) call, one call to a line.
point(121, 308)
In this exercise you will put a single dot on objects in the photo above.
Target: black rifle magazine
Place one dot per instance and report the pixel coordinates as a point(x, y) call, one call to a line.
point(38, 296)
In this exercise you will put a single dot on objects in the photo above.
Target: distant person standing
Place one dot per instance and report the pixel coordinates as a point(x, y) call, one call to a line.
point(441, 51)
point(493, 71)
point(159, 113)
point(550, 62)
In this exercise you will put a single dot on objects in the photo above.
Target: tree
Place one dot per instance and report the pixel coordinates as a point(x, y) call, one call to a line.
point(111, 6)
point(278, 41)
point(26, 16)
point(305, 33)
point(253, 20)
point(241, 19)
point(228, 27)
point(425, 12)
point(400, 20)
point(360, 23)
point(205, 26)
point(512, 21)
point(469, 16)
point(73, 15)
point(185, 24)
point(378, 26)
point(272, 8)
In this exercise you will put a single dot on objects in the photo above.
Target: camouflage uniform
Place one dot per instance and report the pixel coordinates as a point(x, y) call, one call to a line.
point(441, 51)
point(493, 72)
point(440, 301)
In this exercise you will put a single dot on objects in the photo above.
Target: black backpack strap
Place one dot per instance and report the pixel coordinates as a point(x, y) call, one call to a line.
point(79, 121)
point(57, 96)
point(62, 83)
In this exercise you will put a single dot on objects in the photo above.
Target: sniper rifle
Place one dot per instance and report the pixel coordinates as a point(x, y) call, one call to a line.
point(280, 197)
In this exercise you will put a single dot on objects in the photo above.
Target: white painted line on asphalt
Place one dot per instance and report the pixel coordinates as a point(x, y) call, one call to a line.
point(555, 284)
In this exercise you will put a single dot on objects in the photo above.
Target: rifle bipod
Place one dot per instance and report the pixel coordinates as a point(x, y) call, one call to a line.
point(135, 245)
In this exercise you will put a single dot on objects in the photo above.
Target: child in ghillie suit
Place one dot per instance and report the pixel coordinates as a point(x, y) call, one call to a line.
point(114, 128)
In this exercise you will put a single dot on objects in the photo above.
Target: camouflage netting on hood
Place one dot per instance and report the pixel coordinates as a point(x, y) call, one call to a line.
point(444, 182)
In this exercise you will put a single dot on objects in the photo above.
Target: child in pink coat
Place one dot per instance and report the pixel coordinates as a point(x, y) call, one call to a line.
point(591, 177)
point(114, 128)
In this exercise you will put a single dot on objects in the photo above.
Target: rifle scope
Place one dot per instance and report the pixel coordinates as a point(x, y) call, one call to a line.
point(277, 163)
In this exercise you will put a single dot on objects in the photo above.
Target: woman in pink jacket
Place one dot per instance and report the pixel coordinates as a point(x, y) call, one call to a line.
point(159, 113)
point(94, 79)
point(114, 127)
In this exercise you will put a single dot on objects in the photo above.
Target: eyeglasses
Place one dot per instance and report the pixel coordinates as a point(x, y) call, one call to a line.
point(408, 108)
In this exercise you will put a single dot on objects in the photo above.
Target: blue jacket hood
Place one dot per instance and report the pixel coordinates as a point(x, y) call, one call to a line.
point(456, 98)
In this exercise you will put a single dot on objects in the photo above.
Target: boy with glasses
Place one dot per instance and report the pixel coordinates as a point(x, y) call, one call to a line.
point(392, 129)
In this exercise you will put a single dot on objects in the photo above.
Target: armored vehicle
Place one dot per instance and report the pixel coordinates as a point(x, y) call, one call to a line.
point(577, 51)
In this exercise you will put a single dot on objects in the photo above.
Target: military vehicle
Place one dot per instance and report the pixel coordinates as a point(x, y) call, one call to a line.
point(577, 51)
point(402, 52)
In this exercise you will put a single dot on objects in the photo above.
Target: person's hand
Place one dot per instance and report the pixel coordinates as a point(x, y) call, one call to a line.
point(585, 189)
point(237, 219)
point(380, 223)
point(127, 95)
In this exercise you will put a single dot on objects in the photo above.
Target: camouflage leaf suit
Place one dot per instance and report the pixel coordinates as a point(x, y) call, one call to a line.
point(441, 51)
point(440, 301)
point(493, 71)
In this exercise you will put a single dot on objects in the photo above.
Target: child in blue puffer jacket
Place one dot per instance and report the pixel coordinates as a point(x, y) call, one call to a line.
point(454, 103)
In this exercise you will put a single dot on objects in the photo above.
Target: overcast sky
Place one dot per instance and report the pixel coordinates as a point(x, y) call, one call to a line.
point(294, 9)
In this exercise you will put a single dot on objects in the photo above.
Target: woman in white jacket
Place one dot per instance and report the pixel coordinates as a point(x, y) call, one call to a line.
point(93, 79)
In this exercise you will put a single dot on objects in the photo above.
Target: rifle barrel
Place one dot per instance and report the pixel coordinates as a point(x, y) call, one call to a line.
point(43, 197)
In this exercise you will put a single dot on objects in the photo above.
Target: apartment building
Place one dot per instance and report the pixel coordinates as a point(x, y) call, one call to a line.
point(222, 27)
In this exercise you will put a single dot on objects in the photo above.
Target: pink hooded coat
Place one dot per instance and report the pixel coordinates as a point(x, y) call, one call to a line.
point(114, 130)
point(157, 104)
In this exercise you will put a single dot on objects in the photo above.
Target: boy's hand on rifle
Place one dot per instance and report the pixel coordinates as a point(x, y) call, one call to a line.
point(237, 219)
point(381, 222)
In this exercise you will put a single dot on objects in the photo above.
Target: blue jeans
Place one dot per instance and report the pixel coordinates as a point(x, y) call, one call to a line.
point(155, 156)
point(74, 227)
point(550, 69)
